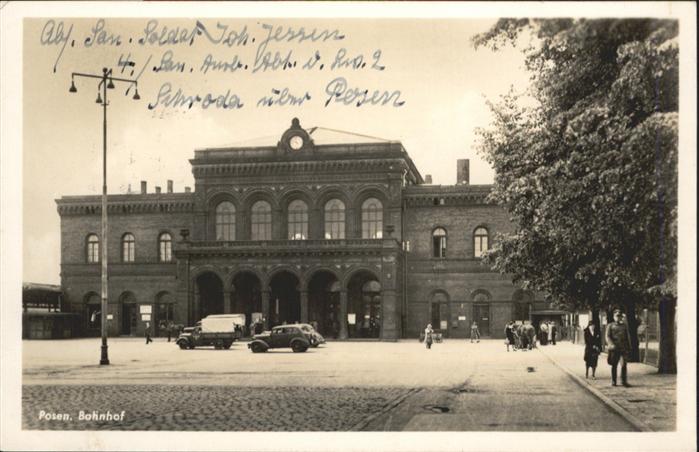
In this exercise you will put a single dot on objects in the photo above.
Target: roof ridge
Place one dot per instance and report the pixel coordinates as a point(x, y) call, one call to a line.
point(313, 129)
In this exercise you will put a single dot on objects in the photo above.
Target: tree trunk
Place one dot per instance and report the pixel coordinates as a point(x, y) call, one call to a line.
point(632, 324)
point(667, 361)
point(596, 320)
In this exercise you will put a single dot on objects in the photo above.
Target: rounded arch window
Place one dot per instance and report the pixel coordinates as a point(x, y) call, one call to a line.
point(480, 241)
point(225, 221)
point(298, 220)
point(372, 219)
point(439, 243)
point(165, 247)
point(93, 249)
point(128, 248)
point(261, 221)
point(334, 219)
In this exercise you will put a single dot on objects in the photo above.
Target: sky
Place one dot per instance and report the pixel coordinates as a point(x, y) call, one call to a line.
point(443, 81)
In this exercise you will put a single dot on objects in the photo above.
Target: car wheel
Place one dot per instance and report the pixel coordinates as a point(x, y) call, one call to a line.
point(299, 347)
point(183, 346)
point(257, 348)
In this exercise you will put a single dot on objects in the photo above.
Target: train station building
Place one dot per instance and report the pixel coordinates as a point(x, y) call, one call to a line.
point(327, 227)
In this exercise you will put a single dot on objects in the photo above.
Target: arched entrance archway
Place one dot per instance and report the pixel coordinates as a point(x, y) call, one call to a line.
point(284, 300)
point(209, 295)
point(364, 305)
point(324, 303)
point(246, 296)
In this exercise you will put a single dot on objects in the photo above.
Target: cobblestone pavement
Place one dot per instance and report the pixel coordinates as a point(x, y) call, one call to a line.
point(206, 408)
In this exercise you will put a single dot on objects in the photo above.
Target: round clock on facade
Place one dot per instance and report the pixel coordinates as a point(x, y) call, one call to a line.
point(296, 142)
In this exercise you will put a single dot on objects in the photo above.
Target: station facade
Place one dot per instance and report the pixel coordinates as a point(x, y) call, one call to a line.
point(339, 230)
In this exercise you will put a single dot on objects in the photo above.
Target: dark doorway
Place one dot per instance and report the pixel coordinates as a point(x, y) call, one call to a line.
point(481, 314)
point(164, 313)
point(129, 318)
point(284, 303)
point(364, 306)
point(93, 315)
point(435, 316)
point(210, 295)
point(246, 296)
point(440, 312)
point(324, 303)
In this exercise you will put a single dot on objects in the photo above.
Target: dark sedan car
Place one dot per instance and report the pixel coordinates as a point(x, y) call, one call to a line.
point(281, 336)
point(314, 337)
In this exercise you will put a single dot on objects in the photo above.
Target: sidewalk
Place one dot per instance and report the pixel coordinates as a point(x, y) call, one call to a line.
point(651, 401)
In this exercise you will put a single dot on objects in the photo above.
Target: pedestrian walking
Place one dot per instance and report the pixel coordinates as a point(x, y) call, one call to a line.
point(148, 338)
point(553, 329)
point(593, 346)
point(544, 333)
point(428, 336)
point(510, 335)
point(170, 327)
point(618, 347)
point(475, 334)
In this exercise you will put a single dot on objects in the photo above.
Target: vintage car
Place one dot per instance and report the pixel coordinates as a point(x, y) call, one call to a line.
point(314, 337)
point(281, 336)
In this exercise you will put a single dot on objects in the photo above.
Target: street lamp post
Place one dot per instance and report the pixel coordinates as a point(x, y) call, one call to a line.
point(106, 81)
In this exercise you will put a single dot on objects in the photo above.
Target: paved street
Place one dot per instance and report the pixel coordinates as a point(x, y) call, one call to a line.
point(338, 387)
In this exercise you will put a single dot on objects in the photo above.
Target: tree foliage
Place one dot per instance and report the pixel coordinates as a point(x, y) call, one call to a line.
point(589, 173)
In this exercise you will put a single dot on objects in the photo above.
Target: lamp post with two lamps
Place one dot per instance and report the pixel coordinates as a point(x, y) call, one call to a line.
point(106, 82)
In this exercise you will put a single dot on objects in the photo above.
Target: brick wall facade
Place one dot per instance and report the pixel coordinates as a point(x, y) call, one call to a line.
point(416, 287)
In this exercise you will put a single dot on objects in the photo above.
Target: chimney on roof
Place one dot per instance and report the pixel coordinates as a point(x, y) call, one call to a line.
point(169, 186)
point(428, 179)
point(462, 172)
point(144, 187)
point(187, 190)
point(157, 189)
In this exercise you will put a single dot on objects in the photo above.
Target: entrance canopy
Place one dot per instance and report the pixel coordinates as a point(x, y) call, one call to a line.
point(549, 312)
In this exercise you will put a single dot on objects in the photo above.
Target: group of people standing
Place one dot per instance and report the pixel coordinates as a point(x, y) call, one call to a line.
point(524, 336)
point(547, 333)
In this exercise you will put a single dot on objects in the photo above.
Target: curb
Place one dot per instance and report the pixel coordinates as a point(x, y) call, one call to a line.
point(611, 404)
point(390, 406)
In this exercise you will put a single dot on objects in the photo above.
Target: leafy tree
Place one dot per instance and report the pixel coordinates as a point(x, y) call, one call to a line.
point(586, 164)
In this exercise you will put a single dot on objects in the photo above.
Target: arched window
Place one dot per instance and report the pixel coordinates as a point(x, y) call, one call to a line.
point(439, 243)
point(261, 220)
point(372, 219)
point(93, 249)
point(165, 247)
point(225, 221)
point(334, 219)
point(128, 248)
point(298, 220)
point(480, 242)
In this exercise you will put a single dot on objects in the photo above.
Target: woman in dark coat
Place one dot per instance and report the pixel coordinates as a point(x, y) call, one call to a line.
point(593, 345)
point(510, 335)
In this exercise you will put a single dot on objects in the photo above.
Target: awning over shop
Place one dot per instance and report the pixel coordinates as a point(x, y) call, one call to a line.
point(550, 312)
